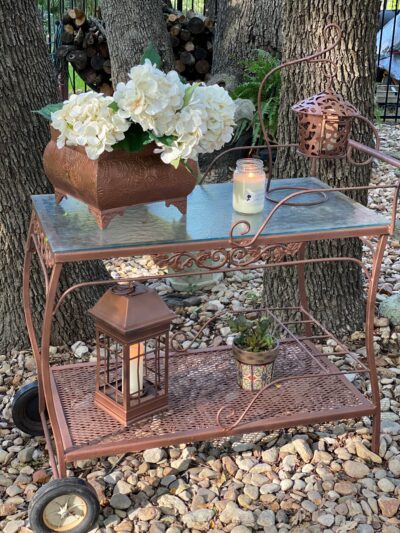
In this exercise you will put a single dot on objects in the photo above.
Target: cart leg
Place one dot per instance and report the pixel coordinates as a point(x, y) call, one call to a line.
point(62, 465)
point(42, 355)
point(376, 431)
point(29, 250)
point(45, 364)
point(369, 334)
point(301, 276)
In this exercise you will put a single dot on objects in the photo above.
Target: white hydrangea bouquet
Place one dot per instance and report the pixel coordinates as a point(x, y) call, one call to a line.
point(183, 120)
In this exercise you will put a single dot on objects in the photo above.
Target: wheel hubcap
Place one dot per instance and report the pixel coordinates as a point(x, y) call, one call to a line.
point(65, 512)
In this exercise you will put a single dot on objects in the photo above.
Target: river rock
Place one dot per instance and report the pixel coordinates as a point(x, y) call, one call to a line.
point(303, 449)
point(390, 308)
point(394, 465)
point(198, 519)
point(388, 506)
point(120, 501)
point(266, 518)
point(154, 455)
point(233, 514)
point(355, 469)
point(168, 503)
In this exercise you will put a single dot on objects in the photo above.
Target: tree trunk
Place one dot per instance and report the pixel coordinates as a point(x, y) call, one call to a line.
point(131, 26)
point(28, 83)
point(210, 8)
point(242, 26)
point(335, 290)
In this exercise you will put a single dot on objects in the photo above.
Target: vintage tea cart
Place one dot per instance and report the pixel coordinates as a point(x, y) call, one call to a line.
point(204, 399)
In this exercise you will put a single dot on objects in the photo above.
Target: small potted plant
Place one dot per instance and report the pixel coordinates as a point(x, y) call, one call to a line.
point(255, 349)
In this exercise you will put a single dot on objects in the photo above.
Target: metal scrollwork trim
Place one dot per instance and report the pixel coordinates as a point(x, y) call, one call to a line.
point(42, 244)
point(220, 258)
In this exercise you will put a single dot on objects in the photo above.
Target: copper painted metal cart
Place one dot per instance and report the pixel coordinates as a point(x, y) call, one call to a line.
point(204, 399)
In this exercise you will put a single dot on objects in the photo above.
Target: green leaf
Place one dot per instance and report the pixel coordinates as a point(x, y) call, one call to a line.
point(175, 163)
point(48, 110)
point(135, 139)
point(188, 94)
point(151, 53)
point(114, 106)
point(168, 140)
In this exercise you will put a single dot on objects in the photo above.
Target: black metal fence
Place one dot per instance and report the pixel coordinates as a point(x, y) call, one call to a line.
point(388, 45)
point(388, 60)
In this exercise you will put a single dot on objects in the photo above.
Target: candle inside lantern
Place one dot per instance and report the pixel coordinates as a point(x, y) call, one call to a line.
point(330, 132)
point(136, 357)
point(249, 186)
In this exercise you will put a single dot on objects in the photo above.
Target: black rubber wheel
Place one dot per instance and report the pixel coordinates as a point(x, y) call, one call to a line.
point(67, 505)
point(25, 410)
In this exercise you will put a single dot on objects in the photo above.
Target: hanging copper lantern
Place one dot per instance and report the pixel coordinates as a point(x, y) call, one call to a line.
point(324, 125)
point(132, 333)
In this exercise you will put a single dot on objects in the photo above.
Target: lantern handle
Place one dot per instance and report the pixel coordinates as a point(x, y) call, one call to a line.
point(377, 144)
point(312, 58)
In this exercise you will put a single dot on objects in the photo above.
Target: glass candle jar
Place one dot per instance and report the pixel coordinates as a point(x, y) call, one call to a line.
point(249, 183)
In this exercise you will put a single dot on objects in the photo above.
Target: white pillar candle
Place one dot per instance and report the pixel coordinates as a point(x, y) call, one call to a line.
point(249, 186)
point(330, 132)
point(136, 357)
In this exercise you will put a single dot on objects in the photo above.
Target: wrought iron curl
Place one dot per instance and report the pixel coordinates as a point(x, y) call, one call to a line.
point(312, 58)
point(231, 413)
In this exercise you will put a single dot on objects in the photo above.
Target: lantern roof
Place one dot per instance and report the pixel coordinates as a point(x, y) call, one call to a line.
point(328, 102)
point(132, 310)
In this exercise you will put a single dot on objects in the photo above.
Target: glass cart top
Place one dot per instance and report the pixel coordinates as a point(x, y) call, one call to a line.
point(69, 227)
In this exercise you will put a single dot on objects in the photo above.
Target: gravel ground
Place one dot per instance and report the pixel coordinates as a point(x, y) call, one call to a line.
point(311, 479)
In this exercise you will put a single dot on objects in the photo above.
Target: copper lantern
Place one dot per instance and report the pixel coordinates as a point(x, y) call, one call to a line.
point(324, 125)
point(132, 333)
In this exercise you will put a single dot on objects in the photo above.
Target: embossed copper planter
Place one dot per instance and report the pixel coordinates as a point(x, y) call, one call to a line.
point(116, 180)
point(254, 369)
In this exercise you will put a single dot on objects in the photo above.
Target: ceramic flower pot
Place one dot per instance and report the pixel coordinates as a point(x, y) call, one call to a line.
point(254, 369)
point(116, 180)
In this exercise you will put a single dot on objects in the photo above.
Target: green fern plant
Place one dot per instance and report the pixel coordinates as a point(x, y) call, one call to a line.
point(254, 72)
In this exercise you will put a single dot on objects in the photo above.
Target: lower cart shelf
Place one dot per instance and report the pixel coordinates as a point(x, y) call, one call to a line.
point(200, 384)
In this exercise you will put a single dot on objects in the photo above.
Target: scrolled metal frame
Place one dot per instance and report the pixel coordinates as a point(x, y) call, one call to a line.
point(249, 252)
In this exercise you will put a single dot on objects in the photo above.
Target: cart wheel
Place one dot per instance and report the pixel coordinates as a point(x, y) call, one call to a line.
point(25, 410)
point(68, 505)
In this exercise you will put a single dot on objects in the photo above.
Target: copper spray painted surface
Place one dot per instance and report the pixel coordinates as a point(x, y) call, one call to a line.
point(324, 125)
point(131, 315)
point(313, 375)
point(132, 312)
point(200, 383)
point(70, 229)
point(325, 119)
point(116, 180)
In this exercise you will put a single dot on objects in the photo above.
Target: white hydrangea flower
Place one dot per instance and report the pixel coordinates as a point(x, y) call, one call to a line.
point(151, 98)
point(220, 111)
point(87, 120)
point(204, 125)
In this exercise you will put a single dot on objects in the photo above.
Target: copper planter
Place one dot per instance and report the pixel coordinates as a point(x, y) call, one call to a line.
point(116, 180)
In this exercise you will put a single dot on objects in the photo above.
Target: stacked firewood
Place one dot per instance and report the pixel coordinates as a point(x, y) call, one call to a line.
point(84, 45)
point(192, 42)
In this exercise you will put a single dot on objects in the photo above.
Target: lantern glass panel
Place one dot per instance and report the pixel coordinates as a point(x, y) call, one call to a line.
point(132, 377)
point(110, 367)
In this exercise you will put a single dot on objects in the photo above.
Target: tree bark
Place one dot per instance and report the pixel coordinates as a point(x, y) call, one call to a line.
point(210, 8)
point(130, 27)
point(242, 26)
point(335, 290)
point(28, 83)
